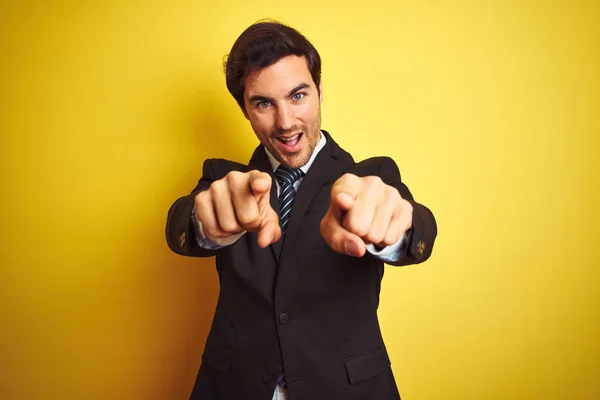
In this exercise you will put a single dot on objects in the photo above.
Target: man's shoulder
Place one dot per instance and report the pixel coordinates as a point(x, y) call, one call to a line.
point(219, 167)
point(376, 165)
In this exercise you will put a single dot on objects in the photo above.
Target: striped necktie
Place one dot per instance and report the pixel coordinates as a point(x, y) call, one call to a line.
point(286, 177)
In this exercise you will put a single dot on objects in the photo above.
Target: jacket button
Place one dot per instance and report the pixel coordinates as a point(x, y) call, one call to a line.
point(284, 318)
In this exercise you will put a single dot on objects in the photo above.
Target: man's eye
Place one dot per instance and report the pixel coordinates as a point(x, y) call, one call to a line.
point(298, 96)
point(263, 104)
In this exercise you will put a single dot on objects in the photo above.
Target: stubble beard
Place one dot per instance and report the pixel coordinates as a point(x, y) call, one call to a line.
point(312, 134)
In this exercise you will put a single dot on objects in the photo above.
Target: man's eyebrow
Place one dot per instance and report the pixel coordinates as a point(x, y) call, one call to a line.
point(299, 87)
point(257, 97)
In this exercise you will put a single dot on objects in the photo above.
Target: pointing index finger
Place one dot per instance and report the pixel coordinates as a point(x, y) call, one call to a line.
point(345, 191)
point(260, 182)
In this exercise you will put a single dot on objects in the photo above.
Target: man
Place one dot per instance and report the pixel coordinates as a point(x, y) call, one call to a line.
point(300, 236)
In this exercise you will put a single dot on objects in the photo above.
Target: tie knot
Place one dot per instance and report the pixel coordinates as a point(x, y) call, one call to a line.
point(288, 175)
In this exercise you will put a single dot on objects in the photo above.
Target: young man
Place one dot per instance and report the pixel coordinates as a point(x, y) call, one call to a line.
point(300, 236)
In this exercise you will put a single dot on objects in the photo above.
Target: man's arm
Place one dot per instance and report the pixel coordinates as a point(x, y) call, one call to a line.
point(180, 230)
point(228, 200)
point(423, 231)
point(375, 207)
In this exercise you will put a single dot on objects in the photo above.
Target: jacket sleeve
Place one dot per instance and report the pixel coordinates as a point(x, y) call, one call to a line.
point(421, 236)
point(180, 230)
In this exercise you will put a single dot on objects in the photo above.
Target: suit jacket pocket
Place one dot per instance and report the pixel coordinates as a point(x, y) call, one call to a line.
point(365, 366)
point(217, 357)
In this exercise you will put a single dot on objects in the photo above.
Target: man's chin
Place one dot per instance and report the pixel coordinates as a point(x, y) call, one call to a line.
point(294, 161)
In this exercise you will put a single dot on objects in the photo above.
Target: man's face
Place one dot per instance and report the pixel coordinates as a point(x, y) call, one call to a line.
point(283, 106)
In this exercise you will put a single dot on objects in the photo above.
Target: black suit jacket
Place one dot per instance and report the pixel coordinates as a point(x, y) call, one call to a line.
point(297, 306)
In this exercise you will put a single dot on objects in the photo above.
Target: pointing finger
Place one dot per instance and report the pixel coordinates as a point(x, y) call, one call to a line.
point(269, 231)
point(260, 183)
point(339, 239)
point(345, 190)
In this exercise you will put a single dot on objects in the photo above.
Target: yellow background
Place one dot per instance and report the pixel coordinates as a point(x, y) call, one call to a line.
point(491, 111)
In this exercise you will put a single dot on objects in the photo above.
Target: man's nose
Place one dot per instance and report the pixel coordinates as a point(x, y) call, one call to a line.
point(284, 118)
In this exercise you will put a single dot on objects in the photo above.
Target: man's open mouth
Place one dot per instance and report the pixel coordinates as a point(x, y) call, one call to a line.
point(290, 142)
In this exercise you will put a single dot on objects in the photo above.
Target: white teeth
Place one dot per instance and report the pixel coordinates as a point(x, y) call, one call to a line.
point(290, 139)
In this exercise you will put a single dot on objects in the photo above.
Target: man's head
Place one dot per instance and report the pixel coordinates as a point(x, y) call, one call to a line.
point(274, 74)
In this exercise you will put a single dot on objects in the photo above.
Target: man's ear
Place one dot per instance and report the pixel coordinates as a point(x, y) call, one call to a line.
point(321, 91)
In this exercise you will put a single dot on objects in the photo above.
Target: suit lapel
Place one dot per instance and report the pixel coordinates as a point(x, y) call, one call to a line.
point(260, 161)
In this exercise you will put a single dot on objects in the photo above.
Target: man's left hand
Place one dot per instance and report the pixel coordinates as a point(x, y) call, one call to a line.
point(364, 211)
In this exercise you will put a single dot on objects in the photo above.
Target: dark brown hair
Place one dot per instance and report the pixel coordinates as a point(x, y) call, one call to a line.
point(263, 44)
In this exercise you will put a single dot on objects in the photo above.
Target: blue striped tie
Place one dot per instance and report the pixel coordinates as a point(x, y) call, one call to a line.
point(286, 177)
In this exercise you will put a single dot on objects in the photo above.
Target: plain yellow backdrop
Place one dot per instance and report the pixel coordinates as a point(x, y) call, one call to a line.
point(107, 111)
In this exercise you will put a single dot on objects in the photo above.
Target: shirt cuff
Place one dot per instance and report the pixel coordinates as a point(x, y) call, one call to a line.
point(391, 253)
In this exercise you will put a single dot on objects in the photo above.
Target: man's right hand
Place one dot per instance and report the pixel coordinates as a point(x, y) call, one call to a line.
point(239, 202)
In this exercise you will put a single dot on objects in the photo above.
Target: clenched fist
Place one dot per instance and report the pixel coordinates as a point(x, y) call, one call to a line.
point(239, 202)
point(364, 211)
